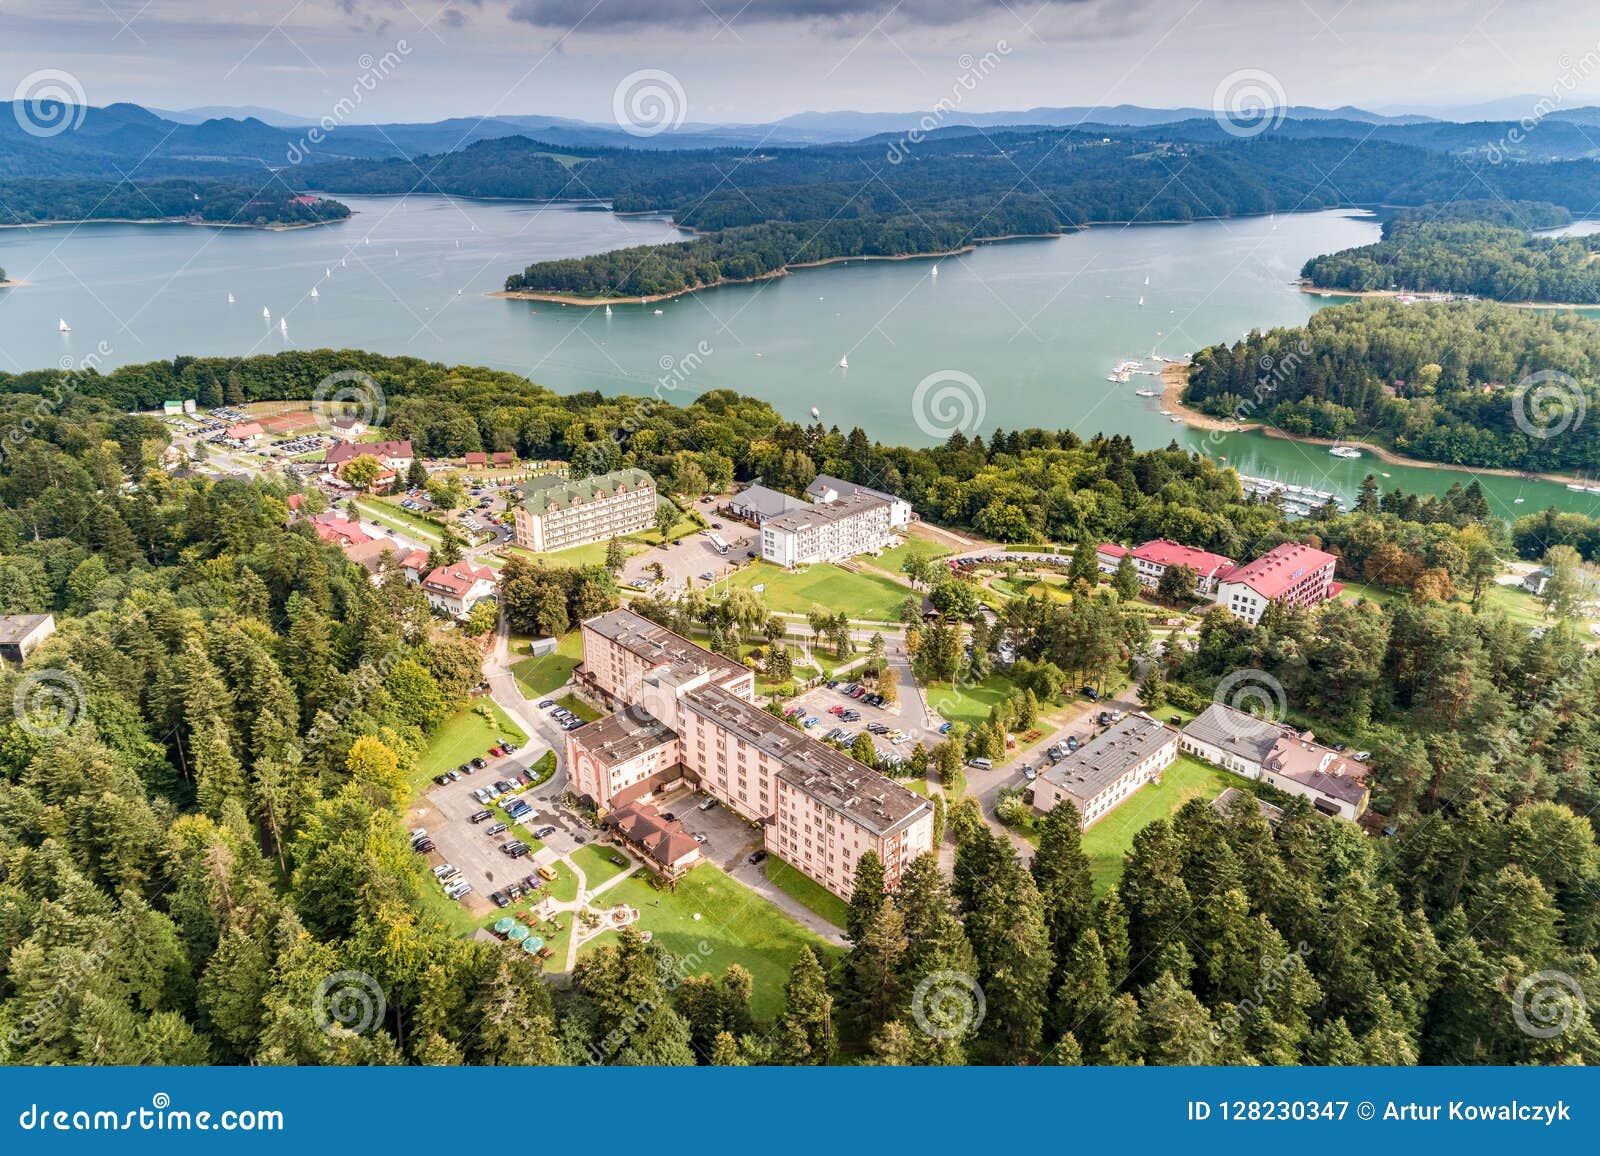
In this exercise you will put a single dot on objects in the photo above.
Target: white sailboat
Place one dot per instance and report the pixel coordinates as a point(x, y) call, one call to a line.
point(326, 271)
point(267, 313)
point(283, 326)
point(230, 298)
point(314, 292)
point(1141, 300)
point(61, 324)
point(815, 412)
point(844, 362)
point(658, 313)
point(344, 262)
point(608, 311)
point(1147, 280)
point(935, 271)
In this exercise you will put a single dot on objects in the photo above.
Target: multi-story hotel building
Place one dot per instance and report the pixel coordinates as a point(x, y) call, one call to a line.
point(556, 513)
point(688, 715)
point(1292, 573)
point(827, 531)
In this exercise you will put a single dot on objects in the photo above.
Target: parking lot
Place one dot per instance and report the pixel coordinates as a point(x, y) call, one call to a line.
point(728, 837)
point(692, 557)
point(818, 701)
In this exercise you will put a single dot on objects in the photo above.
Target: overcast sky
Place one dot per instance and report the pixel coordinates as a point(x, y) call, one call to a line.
point(756, 60)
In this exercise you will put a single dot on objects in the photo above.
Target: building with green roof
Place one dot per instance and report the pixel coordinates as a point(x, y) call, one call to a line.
point(558, 514)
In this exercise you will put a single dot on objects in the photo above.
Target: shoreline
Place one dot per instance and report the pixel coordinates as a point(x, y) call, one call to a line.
point(286, 228)
point(14, 284)
point(595, 302)
point(1175, 377)
point(1449, 298)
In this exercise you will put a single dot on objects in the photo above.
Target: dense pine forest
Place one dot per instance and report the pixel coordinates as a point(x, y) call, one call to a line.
point(1478, 384)
point(24, 202)
point(215, 828)
point(1481, 260)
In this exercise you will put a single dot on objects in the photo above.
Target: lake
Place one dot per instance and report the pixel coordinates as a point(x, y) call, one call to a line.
point(1022, 333)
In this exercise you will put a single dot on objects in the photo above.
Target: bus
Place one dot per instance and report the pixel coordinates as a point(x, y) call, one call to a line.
point(718, 544)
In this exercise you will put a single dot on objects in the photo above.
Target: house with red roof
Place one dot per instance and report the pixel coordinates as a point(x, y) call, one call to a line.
point(455, 589)
point(1152, 559)
point(245, 431)
point(1293, 573)
point(332, 526)
point(396, 456)
point(415, 564)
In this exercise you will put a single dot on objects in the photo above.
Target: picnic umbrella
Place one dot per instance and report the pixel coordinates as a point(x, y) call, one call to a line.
point(532, 944)
point(518, 932)
point(504, 924)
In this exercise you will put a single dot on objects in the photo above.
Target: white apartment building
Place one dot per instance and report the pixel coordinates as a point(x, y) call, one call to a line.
point(1100, 775)
point(831, 489)
point(556, 513)
point(688, 714)
point(1292, 573)
point(827, 531)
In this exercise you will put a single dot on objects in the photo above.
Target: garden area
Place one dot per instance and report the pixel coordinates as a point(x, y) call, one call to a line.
point(868, 596)
point(599, 863)
point(540, 677)
point(716, 921)
point(807, 891)
point(466, 735)
point(968, 703)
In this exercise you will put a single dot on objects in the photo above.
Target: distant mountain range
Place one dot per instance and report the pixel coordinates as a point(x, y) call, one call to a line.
point(232, 142)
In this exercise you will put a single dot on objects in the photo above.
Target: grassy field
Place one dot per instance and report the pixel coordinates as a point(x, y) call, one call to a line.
point(806, 891)
point(1108, 840)
point(894, 561)
point(539, 677)
point(578, 707)
point(735, 926)
point(398, 519)
point(862, 596)
point(595, 863)
point(463, 736)
point(594, 554)
point(968, 703)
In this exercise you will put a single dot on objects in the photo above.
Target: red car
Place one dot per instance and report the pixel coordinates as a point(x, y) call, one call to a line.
point(836, 710)
point(496, 752)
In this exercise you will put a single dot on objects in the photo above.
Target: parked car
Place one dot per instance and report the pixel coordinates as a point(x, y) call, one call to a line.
point(444, 870)
point(544, 832)
point(811, 722)
point(707, 805)
point(699, 838)
point(501, 899)
point(1089, 693)
point(423, 846)
point(1029, 773)
point(482, 795)
point(756, 856)
point(836, 709)
point(495, 829)
point(480, 816)
point(479, 763)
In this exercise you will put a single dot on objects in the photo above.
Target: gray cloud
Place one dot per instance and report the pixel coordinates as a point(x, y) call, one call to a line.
point(592, 15)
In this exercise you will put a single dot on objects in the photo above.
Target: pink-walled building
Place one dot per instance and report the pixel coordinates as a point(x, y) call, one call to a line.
point(688, 715)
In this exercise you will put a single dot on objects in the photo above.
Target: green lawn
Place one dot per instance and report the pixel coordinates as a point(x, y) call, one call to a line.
point(807, 891)
point(541, 677)
point(463, 736)
point(968, 703)
point(596, 863)
point(578, 707)
point(395, 518)
point(1109, 840)
point(861, 596)
point(735, 926)
point(594, 554)
point(894, 561)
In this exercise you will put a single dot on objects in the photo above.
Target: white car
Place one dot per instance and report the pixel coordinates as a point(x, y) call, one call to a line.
point(443, 870)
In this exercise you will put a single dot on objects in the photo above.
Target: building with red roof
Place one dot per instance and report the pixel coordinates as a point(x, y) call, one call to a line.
point(396, 456)
point(332, 526)
point(1292, 573)
point(455, 589)
point(1152, 559)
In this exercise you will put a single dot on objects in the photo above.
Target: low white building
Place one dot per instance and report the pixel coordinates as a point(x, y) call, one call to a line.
point(1279, 756)
point(830, 489)
point(827, 531)
point(1099, 776)
point(455, 589)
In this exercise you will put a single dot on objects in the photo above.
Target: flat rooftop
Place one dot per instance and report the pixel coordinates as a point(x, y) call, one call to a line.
point(822, 513)
point(658, 646)
point(619, 738)
point(833, 779)
point(14, 628)
point(1103, 760)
